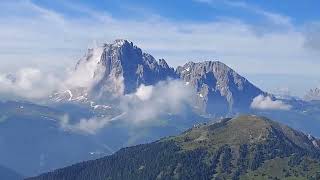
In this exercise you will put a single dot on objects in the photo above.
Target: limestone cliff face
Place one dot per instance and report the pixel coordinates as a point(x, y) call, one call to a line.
point(219, 87)
point(127, 65)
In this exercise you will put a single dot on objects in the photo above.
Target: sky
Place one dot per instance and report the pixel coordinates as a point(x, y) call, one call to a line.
point(275, 44)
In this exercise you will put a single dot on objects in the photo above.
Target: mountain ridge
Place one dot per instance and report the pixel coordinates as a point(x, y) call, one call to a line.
point(120, 68)
point(312, 95)
point(219, 86)
point(223, 150)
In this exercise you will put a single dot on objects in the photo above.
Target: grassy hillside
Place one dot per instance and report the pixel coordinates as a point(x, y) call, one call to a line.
point(246, 147)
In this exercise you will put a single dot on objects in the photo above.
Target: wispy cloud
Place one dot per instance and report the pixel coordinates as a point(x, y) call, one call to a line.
point(272, 17)
point(275, 18)
point(87, 126)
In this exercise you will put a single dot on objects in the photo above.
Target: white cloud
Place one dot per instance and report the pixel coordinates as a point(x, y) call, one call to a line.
point(28, 83)
point(262, 102)
point(151, 102)
point(52, 39)
point(144, 92)
point(274, 18)
point(88, 71)
point(146, 105)
point(87, 126)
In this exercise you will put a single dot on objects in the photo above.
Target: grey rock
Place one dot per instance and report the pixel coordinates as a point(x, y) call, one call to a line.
point(220, 89)
point(313, 95)
point(118, 68)
point(123, 61)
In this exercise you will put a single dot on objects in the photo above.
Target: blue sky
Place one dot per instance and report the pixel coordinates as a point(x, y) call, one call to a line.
point(192, 10)
point(275, 44)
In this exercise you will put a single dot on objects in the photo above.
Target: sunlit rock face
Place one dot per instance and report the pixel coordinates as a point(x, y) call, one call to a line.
point(113, 70)
point(123, 60)
point(220, 89)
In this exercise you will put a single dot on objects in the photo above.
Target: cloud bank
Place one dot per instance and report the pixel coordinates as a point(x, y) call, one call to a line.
point(151, 102)
point(88, 70)
point(28, 83)
point(262, 102)
point(34, 84)
point(146, 105)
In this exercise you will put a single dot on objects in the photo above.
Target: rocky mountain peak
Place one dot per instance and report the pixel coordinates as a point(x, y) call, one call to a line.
point(313, 95)
point(121, 42)
point(220, 88)
point(118, 68)
point(123, 60)
point(211, 69)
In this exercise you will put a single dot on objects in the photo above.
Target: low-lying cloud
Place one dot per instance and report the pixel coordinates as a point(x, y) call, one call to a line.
point(28, 83)
point(87, 71)
point(34, 84)
point(87, 126)
point(146, 105)
point(150, 102)
point(262, 102)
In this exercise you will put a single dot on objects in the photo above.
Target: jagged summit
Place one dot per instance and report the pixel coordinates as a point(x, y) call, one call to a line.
point(121, 41)
point(123, 61)
point(117, 42)
point(118, 68)
point(220, 87)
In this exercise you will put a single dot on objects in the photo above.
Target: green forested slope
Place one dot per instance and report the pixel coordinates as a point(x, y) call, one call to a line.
point(246, 147)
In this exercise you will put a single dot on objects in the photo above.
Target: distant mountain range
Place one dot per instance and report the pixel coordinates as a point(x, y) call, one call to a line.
point(78, 123)
point(246, 147)
point(313, 95)
point(121, 67)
